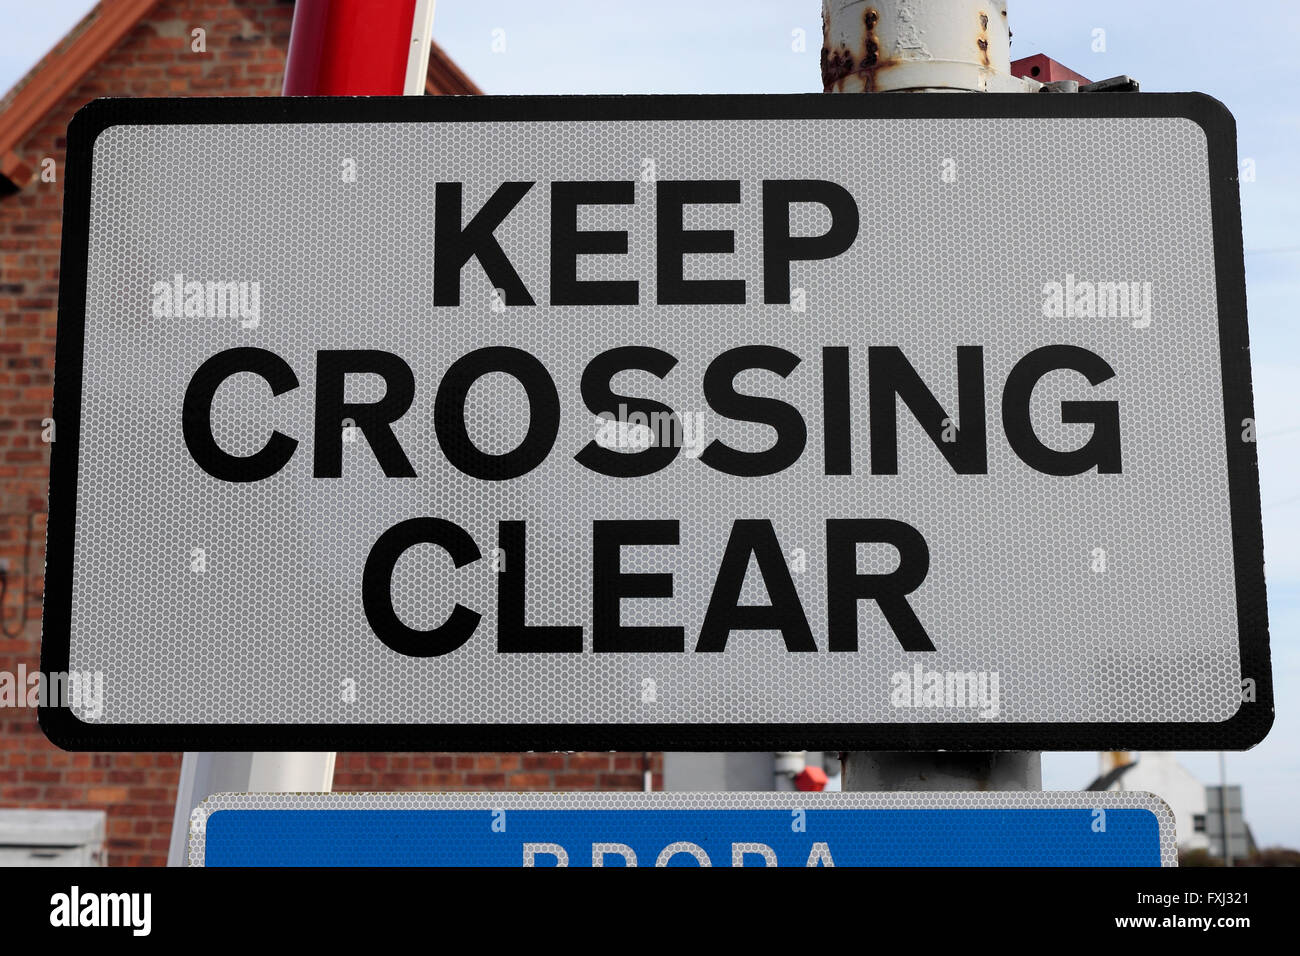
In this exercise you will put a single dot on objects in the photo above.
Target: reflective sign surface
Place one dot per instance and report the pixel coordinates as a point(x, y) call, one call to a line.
point(640, 422)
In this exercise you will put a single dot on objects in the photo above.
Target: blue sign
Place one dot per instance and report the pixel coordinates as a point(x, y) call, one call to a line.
point(586, 830)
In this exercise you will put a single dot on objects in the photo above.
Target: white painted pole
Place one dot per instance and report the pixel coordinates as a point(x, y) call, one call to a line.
point(925, 46)
point(786, 765)
point(203, 774)
point(417, 63)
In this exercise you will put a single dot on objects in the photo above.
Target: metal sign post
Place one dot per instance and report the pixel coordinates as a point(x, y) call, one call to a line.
point(925, 46)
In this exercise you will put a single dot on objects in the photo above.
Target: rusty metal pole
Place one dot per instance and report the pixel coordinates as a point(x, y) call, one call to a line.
point(918, 46)
point(925, 46)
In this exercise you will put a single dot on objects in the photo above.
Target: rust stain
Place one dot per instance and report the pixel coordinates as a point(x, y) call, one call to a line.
point(871, 54)
point(870, 64)
point(836, 65)
point(826, 50)
point(841, 63)
point(982, 40)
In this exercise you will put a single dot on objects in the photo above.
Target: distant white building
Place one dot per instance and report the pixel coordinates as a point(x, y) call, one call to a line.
point(1159, 773)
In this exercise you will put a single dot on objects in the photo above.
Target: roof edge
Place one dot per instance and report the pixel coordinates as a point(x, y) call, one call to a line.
point(59, 71)
point(445, 77)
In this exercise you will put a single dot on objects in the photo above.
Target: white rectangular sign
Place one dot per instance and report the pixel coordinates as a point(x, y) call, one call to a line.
point(859, 422)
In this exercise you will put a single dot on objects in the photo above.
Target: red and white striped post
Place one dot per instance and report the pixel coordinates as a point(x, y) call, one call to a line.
point(359, 48)
point(336, 48)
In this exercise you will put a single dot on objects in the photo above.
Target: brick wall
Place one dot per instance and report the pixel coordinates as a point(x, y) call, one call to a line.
point(494, 771)
point(245, 42)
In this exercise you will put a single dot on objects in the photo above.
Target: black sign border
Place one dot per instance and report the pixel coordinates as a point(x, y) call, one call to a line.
point(1243, 730)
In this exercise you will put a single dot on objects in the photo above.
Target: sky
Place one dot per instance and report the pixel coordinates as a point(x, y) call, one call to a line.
point(1244, 54)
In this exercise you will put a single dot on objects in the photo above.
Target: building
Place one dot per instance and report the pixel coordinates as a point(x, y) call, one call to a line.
point(1161, 774)
point(151, 48)
point(1196, 806)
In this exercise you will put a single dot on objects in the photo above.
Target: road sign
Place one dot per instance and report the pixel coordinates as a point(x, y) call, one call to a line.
point(1238, 838)
point(656, 423)
point(683, 829)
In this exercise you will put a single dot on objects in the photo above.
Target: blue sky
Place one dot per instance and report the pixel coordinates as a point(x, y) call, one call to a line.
point(1244, 55)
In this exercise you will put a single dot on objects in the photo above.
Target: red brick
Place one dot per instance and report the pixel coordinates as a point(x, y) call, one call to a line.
point(575, 781)
point(528, 781)
point(485, 781)
point(543, 762)
point(592, 761)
